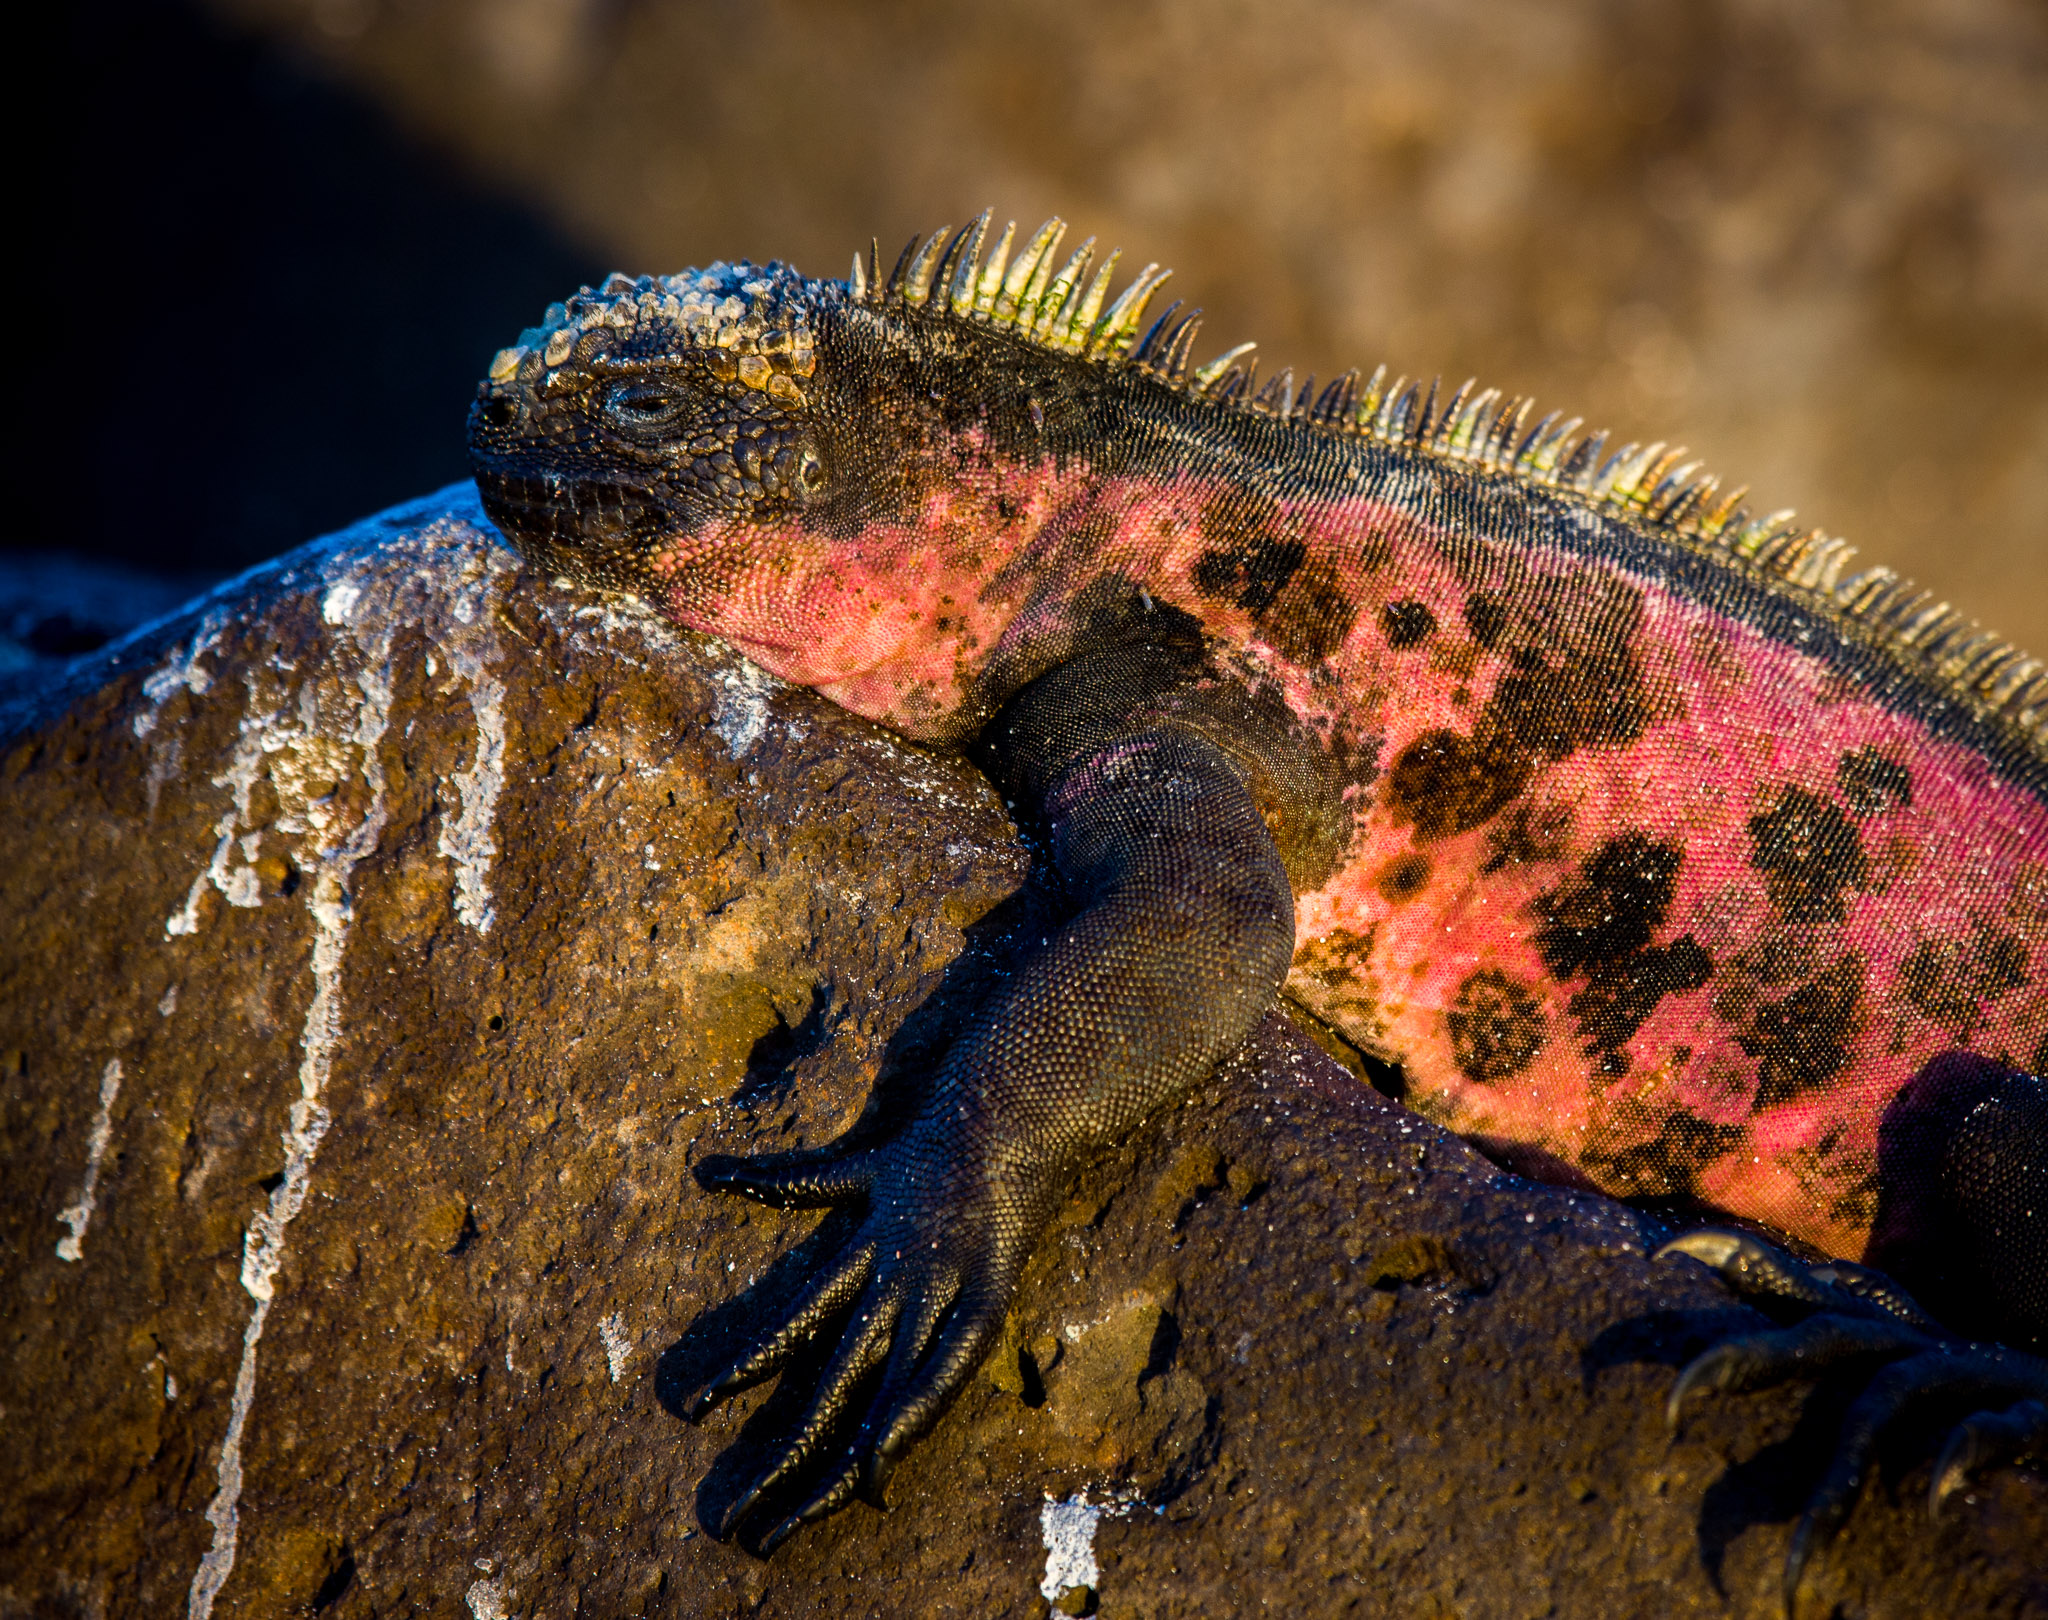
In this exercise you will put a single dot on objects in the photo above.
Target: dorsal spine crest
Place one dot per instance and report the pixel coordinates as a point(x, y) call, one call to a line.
point(1055, 305)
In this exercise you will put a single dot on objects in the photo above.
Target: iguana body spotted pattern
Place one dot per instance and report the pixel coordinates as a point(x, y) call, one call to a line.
point(1659, 850)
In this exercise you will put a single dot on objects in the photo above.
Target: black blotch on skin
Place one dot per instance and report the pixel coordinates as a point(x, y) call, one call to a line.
point(1803, 1039)
point(1808, 852)
point(1582, 691)
point(1403, 878)
point(1600, 924)
point(1251, 575)
point(1950, 980)
point(1610, 910)
point(1311, 616)
point(1496, 1026)
point(1250, 560)
point(1446, 783)
point(1873, 783)
point(1406, 624)
point(1485, 618)
point(1669, 1164)
point(1553, 704)
point(1622, 994)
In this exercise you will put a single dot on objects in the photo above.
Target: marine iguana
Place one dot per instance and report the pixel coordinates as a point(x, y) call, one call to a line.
point(1662, 851)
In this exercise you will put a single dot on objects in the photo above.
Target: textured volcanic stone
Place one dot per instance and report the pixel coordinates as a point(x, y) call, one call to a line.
point(382, 940)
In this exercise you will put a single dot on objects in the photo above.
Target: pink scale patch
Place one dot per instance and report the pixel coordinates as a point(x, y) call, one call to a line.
point(1838, 895)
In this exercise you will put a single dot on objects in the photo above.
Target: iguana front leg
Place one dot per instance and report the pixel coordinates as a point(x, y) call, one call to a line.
point(1182, 928)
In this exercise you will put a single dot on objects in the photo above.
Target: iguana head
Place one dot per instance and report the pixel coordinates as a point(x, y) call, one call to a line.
point(828, 474)
point(640, 414)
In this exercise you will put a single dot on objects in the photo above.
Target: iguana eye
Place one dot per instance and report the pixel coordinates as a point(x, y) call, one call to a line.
point(637, 407)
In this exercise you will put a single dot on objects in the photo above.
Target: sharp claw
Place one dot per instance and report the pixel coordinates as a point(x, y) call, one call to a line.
point(874, 1488)
point(1797, 1555)
point(1983, 1438)
point(1952, 1469)
point(805, 1178)
point(737, 1509)
point(1757, 1270)
point(1707, 1368)
point(1709, 1246)
point(781, 1533)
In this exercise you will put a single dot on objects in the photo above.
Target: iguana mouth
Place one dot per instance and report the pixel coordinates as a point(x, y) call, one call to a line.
point(589, 526)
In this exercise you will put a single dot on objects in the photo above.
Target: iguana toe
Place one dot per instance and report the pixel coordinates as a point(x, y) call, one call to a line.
point(1983, 1439)
point(1861, 1316)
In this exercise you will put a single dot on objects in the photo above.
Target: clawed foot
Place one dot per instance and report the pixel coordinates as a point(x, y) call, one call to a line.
point(1859, 1315)
point(915, 1297)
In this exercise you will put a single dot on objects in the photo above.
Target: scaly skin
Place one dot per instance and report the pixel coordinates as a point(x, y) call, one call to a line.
point(1658, 857)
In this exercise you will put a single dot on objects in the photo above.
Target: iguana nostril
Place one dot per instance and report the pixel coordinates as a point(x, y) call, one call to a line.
point(500, 411)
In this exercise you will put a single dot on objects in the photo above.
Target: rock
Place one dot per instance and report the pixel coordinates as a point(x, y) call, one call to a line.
point(387, 936)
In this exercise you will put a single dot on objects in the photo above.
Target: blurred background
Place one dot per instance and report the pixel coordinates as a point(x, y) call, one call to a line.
point(1808, 240)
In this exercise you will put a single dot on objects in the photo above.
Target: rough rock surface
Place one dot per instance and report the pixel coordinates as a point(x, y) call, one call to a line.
point(382, 941)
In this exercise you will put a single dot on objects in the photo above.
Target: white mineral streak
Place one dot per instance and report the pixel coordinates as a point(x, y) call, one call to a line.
point(742, 712)
point(180, 669)
point(78, 1213)
point(306, 765)
point(617, 1347)
point(486, 1600)
point(469, 838)
point(1068, 1531)
point(258, 735)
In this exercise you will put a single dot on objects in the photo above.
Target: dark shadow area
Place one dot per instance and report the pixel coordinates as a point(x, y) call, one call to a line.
point(1962, 1176)
point(1390, 1080)
point(337, 1582)
point(1773, 1485)
point(776, 1053)
point(1663, 1339)
point(1770, 1487)
point(1777, 1482)
point(275, 307)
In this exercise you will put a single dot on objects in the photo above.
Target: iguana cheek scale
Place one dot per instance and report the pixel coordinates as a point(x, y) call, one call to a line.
point(1662, 853)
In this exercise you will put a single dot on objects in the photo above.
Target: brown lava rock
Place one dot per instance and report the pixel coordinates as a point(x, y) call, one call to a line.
point(380, 944)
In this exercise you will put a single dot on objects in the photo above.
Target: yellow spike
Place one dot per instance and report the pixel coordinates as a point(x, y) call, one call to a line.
point(1032, 304)
point(1369, 397)
point(1114, 332)
point(961, 297)
point(1207, 375)
point(1714, 522)
point(1466, 423)
point(1015, 301)
point(1630, 464)
point(1551, 451)
point(917, 280)
point(1091, 305)
point(991, 281)
point(1056, 305)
